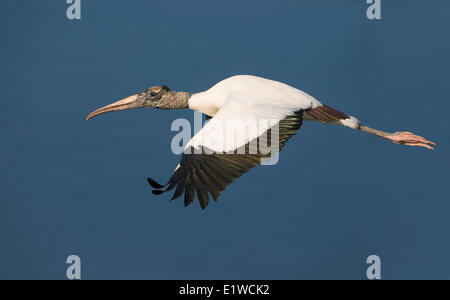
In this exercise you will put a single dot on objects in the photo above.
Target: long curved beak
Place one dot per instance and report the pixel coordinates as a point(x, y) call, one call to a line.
point(126, 103)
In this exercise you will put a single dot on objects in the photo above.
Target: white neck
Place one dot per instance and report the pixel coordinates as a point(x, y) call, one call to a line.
point(206, 102)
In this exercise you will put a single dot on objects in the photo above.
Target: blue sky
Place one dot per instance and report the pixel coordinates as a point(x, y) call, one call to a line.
point(70, 186)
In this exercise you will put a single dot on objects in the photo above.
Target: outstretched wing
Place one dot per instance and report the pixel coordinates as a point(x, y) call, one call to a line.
point(209, 172)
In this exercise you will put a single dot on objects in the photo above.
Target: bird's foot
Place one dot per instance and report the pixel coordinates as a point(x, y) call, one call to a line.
point(410, 139)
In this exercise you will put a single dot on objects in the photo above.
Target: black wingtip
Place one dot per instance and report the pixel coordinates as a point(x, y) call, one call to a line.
point(157, 192)
point(154, 184)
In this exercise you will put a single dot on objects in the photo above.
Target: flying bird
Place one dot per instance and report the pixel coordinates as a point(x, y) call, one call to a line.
point(229, 145)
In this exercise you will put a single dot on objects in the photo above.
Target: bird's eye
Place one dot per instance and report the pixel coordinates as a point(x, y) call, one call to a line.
point(152, 94)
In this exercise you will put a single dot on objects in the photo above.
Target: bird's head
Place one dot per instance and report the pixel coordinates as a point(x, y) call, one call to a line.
point(154, 97)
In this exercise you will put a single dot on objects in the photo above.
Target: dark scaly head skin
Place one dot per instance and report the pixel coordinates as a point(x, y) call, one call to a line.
point(154, 97)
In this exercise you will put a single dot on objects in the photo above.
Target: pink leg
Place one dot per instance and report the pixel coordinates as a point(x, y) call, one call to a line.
point(410, 139)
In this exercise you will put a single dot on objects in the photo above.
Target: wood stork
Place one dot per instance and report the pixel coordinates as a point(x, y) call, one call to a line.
point(241, 97)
